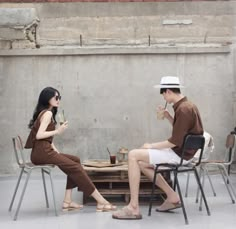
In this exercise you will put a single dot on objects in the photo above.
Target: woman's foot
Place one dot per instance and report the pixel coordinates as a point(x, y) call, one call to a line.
point(105, 207)
point(70, 206)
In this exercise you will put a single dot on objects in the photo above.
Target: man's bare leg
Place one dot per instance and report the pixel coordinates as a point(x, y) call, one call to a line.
point(148, 171)
point(134, 176)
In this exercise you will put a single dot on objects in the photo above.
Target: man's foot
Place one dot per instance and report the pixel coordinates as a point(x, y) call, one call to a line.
point(173, 197)
point(126, 214)
point(71, 206)
point(168, 206)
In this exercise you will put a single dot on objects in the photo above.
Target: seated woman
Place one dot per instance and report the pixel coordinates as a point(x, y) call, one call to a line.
point(43, 129)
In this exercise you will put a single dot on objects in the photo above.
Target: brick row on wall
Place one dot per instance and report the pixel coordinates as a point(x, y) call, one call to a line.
point(32, 1)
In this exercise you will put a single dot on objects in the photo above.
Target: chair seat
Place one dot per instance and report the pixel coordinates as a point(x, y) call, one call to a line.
point(30, 165)
point(27, 168)
point(166, 167)
point(213, 161)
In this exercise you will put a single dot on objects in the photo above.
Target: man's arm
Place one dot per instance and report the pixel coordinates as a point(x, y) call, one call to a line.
point(168, 117)
point(158, 145)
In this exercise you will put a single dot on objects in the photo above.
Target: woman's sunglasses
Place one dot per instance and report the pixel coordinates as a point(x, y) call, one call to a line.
point(58, 97)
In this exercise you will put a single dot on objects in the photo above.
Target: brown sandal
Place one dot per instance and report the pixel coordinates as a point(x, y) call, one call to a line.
point(126, 214)
point(168, 206)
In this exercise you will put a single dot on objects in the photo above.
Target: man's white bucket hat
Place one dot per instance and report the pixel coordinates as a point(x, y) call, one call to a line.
point(169, 82)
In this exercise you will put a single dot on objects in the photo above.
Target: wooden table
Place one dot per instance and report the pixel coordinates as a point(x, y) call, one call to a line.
point(113, 180)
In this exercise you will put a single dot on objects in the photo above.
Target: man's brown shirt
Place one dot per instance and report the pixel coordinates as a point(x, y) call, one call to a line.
point(186, 120)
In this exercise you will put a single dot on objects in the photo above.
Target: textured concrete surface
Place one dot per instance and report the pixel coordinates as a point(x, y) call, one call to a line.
point(109, 99)
point(89, 24)
point(34, 214)
point(18, 26)
point(104, 58)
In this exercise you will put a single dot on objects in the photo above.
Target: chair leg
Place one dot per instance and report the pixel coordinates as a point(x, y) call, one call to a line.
point(228, 169)
point(210, 181)
point(230, 182)
point(181, 198)
point(225, 181)
point(152, 193)
point(201, 189)
point(203, 184)
point(187, 184)
point(16, 189)
point(174, 186)
point(211, 184)
point(22, 195)
point(44, 187)
point(201, 171)
point(53, 194)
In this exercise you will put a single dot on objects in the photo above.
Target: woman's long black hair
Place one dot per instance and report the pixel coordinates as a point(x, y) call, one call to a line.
point(43, 104)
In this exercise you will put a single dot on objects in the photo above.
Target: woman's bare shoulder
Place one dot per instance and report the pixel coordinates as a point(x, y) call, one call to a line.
point(47, 115)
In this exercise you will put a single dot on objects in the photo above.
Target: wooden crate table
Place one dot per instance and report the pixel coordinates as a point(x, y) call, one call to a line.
point(113, 179)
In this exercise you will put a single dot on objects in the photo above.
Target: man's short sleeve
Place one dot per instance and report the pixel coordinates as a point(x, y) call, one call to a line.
point(182, 121)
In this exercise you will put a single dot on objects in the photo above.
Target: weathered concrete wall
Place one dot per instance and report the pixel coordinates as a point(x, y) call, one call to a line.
point(107, 90)
point(18, 28)
point(132, 23)
point(109, 99)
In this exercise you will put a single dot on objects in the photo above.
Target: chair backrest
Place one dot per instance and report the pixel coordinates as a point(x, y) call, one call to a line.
point(18, 150)
point(230, 146)
point(193, 142)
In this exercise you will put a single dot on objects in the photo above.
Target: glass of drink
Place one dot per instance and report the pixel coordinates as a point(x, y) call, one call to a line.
point(61, 117)
point(160, 114)
point(113, 159)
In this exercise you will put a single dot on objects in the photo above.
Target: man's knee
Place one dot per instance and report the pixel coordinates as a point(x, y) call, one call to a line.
point(132, 154)
point(141, 164)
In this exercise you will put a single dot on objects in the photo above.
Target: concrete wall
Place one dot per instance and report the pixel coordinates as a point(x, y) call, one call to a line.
point(106, 84)
point(89, 24)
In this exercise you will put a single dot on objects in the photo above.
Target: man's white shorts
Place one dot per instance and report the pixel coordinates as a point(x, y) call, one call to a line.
point(157, 156)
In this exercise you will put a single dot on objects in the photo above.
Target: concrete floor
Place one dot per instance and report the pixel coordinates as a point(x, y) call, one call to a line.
point(34, 214)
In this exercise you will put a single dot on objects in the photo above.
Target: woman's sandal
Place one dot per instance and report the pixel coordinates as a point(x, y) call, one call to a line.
point(106, 207)
point(71, 206)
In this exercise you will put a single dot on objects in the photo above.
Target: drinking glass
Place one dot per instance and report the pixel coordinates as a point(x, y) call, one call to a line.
point(61, 117)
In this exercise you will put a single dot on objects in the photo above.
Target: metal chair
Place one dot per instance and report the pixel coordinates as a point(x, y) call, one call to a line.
point(28, 167)
point(207, 152)
point(191, 142)
point(230, 155)
point(222, 166)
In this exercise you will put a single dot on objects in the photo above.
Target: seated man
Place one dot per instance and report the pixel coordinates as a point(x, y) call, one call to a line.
point(186, 120)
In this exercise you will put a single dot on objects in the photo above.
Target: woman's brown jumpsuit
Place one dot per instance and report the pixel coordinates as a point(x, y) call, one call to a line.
point(43, 153)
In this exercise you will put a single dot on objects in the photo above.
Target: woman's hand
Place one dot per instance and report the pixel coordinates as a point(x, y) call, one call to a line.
point(62, 128)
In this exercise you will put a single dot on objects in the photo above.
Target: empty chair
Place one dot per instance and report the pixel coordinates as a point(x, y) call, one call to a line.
point(233, 132)
point(27, 168)
point(222, 166)
point(191, 142)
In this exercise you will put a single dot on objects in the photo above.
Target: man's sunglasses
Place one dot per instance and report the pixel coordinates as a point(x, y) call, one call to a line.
point(58, 97)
